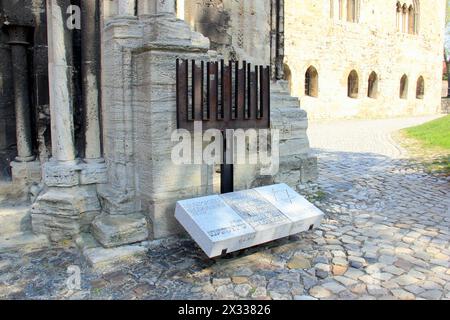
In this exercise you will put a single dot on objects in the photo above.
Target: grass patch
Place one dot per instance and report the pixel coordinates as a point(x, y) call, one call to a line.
point(433, 134)
point(430, 142)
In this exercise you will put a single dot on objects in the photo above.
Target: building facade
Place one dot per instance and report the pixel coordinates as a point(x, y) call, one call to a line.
point(360, 58)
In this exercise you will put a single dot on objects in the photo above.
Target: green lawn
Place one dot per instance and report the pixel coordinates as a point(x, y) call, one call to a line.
point(431, 138)
point(432, 134)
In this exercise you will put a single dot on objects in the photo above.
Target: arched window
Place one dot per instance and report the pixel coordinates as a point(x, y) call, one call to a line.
point(416, 6)
point(353, 85)
point(372, 91)
point(420, 89)
point(399, 16)
point(331, 9)
point(404, 87)
point(351, 10)
point(411, 20)
point(311, 82)
point(404, 17)
point(341, 9)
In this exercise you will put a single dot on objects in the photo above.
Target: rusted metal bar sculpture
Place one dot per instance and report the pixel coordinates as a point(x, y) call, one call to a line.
point(222, 101)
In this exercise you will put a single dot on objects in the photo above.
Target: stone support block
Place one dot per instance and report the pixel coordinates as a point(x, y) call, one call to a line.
point(108, 259)
point(26, 173)
point(113, 231)
point(63, 213)
point(57, 174)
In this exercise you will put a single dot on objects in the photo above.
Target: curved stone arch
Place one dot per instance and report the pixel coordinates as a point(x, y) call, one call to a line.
point(287, 75)
point(372, 88)
point(353, 84)
point(403, 93)
point(312, 82)
point(420, 88)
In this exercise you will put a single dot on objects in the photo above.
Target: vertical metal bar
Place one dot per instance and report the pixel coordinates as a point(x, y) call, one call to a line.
point(226, 92)
point(253, 96)
point(227, 169)
point(265, 95)
point(213, 69)
point(182, 93)
point(240, 91)
point(197, 91)
point(257, 92)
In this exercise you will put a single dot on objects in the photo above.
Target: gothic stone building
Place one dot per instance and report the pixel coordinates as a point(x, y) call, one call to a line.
point(361, 58)
point(88, 107)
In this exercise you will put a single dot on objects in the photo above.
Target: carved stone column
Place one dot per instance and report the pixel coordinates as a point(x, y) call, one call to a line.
point(90, 76)
point(67, 204)
point(60, 79)
point(19, 44)
point(24, 169)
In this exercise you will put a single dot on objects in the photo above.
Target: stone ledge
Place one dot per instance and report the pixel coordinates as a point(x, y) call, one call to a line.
point(24, 242)
point(114, 231)
point(14, 219)
point(63, 213)
point(74, 174)
point(116, 201)
point(103, 259)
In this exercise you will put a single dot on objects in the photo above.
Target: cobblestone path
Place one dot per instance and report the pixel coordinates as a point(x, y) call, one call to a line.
point(386, 236)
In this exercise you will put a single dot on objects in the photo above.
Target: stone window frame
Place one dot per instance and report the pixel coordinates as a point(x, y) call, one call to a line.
point(312, 82)
point(408, 17)
point(340, 10)
point(420, 88)
point(353, 84)
point(403, 92)
point(372, 88)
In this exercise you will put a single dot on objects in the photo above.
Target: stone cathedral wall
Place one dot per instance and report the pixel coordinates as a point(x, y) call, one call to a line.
point(316, 36)
point(237, 29)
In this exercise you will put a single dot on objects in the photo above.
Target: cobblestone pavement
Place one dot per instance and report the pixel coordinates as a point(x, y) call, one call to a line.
point(386, 236)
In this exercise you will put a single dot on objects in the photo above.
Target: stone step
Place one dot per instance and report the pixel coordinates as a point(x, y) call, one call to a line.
point(14, 219)
point(10, 191)
point(118, 230)
point(23, 242)
point(102, 259)
point(281, 101)
point(280, 87)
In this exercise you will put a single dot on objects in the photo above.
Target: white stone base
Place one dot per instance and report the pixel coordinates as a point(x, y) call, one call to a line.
point(239, 220)
point(103, 259)
point(114, 231)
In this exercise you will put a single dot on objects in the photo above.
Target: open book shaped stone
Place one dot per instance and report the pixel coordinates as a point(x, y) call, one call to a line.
point(230, 222)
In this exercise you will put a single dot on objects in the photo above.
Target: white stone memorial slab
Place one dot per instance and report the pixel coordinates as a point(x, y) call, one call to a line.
point(214, 225)
point(300, 211)
point(239, 220)
point(268, 222)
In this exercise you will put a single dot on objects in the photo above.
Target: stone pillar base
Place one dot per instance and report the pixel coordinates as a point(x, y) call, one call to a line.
point(57, 174)
point(299, 169)
point(69, 202)
point(63, 213)
point(24, 174)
